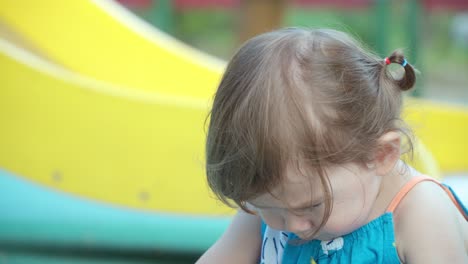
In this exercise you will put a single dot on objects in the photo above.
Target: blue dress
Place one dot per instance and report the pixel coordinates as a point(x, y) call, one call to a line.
point(371, 243)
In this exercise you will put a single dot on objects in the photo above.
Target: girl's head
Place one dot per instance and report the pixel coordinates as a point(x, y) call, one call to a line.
point(294, 108)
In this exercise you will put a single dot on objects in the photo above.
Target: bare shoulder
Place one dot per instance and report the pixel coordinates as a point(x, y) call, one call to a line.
point(429, 228)
point(240, 243)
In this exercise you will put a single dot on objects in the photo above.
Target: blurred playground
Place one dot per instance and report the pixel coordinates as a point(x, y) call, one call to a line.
point(103, 106)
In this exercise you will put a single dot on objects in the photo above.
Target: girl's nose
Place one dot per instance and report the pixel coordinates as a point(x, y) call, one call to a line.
point(298, 224)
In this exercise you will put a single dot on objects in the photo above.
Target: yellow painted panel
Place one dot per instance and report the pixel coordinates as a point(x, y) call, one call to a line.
point(102, 40)
point(101, 141)
point(444, 130)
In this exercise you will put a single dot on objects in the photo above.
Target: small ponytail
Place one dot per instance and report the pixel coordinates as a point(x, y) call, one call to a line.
point(409, 78)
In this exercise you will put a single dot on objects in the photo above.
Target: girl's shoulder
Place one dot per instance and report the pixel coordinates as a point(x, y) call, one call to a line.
point(429, 228)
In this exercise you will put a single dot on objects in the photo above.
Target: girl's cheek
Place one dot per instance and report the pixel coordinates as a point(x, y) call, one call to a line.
point(336, 227)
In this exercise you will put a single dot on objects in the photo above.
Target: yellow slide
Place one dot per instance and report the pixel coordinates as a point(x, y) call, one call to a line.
point(103, 40)
point(121, 119)
point(132, 134)
point(101, 141)
point(444, 130)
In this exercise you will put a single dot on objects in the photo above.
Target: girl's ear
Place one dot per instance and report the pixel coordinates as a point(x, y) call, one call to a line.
point(388, 153)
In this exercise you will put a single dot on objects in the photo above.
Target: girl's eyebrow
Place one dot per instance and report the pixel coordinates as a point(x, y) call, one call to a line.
point(300, 206)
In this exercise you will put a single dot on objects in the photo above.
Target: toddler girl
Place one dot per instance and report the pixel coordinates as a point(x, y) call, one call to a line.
point(305, 137)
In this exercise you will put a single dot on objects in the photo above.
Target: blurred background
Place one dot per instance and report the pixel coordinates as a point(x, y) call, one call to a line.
point(432, 33)
point(103, 106)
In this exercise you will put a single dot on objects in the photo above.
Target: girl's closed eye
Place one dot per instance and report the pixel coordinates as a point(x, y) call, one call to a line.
point(309, 209)
point(318, 204)
point(314, 206)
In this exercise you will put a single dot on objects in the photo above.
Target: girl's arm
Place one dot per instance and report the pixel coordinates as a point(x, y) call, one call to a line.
point(240, 243)
point(429, 228)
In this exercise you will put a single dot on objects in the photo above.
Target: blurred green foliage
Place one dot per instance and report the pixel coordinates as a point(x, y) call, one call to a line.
point(438, 58)
point(214, 31)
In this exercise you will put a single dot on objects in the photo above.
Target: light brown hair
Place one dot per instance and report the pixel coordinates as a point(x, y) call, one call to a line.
point(299, 96)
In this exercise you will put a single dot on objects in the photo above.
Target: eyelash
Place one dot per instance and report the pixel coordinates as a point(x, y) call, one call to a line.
point(317, 205)
point(311, 208)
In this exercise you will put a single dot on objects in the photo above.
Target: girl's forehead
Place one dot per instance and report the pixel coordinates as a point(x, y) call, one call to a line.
point(295, 189)
point(300, 188)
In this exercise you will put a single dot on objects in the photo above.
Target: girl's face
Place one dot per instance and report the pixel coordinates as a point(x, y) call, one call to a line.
point(298, 206)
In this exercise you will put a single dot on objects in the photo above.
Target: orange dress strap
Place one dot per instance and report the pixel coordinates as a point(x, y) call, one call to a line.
point(410, 185)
